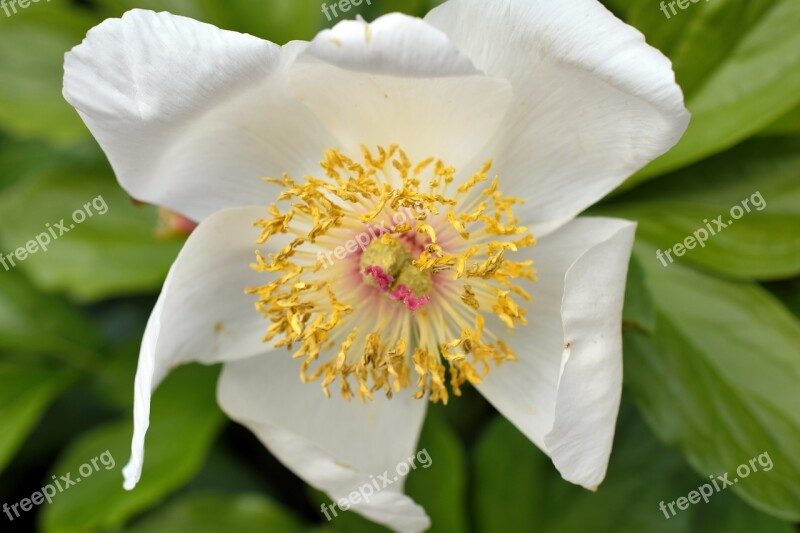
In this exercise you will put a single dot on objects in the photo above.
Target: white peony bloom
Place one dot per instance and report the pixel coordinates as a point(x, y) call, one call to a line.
point(411, 164)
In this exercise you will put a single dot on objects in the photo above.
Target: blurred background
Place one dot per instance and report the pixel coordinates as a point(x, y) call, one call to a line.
point(712, 342)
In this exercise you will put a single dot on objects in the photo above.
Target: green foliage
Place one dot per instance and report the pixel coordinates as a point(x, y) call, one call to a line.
point(788, 124)
point(214, 512)
point(184, 419)
point(113, 252)
point(32, 320)
point(719, 379)
point(25, 392)
point(638, 311)
point(518, 489)
point(736, 62)
point(764, 243)
point(32, 47)
point(441, 486)
point(278, 20)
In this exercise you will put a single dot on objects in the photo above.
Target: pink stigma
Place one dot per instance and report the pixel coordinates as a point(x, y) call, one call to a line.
point(405, 294)
point(380, 276)
point(402, 293)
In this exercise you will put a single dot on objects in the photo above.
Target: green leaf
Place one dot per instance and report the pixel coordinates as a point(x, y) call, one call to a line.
point(25, 392)
point(32, 47)
point(278, 21)
point(788, 124)
point(439, 483)
point(660, 32)
point(111, 380)
point(719, 380)
point(638, 311)
point(32, 321)
point(516, 484)
point(112, 252)
point(764, 243)
point(736, 63)
point(184, 423)
point(20, 159)
point(788, 292)
point(506, 466)
point(415, 8)
point(212, 512)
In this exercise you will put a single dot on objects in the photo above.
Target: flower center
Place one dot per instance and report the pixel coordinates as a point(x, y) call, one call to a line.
point(387, 264)
point(387, 278)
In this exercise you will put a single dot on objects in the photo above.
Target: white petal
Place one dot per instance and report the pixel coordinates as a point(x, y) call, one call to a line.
point(394, 44)
point(202, 313)
point(564, 391)
point(592, 101)
point(334, 445)
point(399, 81)
point(191, 116)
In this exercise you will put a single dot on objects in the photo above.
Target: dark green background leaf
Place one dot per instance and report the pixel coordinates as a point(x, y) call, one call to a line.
point(184, 422)
point(441, 487)
point(31, 320)
point(25, 392)
point(108, 254)
point(220, 512)
point(719, 379)
point(32, 47)
point(518, 489)
point(763, 244)
point(736, 62)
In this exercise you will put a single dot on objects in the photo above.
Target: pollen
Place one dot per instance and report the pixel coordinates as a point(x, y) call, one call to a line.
point(387, 274)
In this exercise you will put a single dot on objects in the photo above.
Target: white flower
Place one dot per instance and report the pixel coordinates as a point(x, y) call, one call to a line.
point(565, 100)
